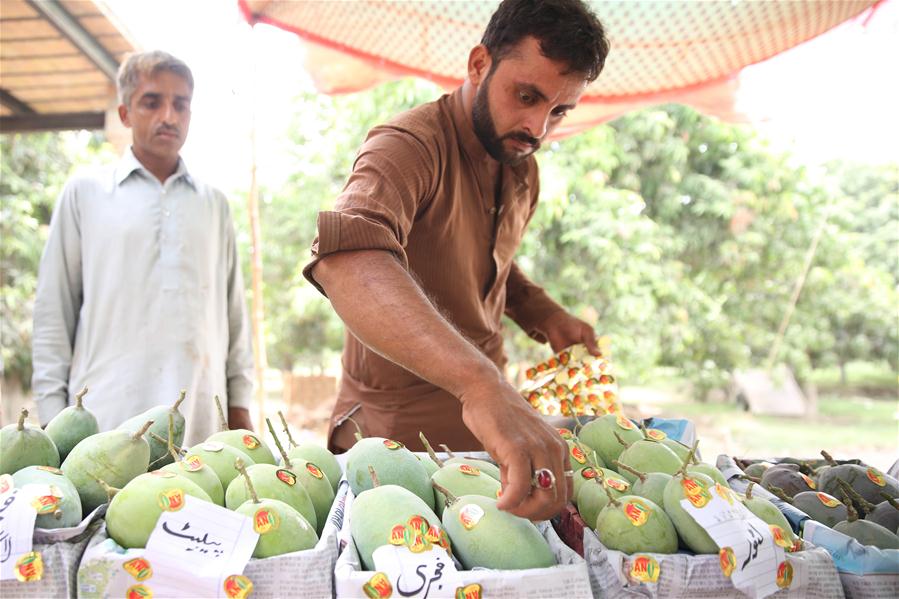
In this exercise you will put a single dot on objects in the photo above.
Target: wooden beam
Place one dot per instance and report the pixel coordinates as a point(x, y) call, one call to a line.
point(69, 26)
point(16, 105)
point(63, 121)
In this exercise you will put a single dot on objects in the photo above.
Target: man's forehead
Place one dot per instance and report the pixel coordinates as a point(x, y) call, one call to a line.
point(163, 83)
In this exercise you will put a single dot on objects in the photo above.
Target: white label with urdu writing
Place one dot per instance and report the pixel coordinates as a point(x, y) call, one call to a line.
point(17, 516)
point(430, 574)
point(194, 549)
point(754, 558)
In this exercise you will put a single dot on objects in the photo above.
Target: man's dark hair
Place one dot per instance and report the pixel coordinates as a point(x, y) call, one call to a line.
point(567, 30)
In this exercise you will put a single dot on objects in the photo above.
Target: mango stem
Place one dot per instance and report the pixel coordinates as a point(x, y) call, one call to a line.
point(641, 475)
point(142, 430)
point(22, 416)
point(181, 397)
point(286, 430)
point(374, 476)
point(284, 457)
point(79, 397)
point(223, 422)
point(239, 466)
point(430, 450)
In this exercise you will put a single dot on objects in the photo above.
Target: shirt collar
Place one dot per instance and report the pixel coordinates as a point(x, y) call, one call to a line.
point(472, 145)
point(129, 164)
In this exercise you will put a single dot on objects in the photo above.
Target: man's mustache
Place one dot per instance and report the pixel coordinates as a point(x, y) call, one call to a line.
point(524, 138)
point(169, 130)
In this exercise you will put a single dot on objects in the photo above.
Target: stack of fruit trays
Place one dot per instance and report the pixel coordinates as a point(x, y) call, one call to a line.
point(573, 383)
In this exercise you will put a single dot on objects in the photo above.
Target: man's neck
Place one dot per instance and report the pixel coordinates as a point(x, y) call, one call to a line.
point(162, 169)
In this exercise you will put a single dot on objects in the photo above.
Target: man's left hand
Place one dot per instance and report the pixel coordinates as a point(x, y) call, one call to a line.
point(563, 330)
point(239, 418)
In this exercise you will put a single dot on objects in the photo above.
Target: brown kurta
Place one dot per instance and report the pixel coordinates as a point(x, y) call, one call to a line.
point(421, 188)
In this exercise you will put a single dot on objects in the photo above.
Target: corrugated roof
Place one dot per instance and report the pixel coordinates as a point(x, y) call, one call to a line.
point(58, 60)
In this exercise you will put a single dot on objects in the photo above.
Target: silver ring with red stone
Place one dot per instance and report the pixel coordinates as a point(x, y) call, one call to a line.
point(544, 479)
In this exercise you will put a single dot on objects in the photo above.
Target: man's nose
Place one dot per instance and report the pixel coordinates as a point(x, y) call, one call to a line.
point(537, 123)
point(169, 114)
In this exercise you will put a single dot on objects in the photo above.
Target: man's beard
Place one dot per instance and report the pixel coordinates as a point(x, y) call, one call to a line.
point(485, 129)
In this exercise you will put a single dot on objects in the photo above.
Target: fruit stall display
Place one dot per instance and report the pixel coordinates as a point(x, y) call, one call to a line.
point(647, 518)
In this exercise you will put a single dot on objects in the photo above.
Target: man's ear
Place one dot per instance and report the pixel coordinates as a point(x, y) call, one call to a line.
point(123, 115)
point(479, 62)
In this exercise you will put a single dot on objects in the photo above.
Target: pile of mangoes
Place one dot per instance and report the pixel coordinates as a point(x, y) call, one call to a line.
point(403, 499)
point(141, 471)
point(629, 483)
point(850, 497)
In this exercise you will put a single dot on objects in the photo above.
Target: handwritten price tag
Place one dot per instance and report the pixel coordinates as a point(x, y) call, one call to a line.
point(17, 516)
point(195, 549)
point(748, 554)
point(427, 574)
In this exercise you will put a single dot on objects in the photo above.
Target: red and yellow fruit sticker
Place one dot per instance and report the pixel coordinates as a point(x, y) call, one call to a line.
point(780, 536)
point(419, 544)
point(469, 470)
point(727, 560)
point(784, 574)
point(265, 520)
point(876, 477)
point(397, 535)
point(418, 524)
point(637, 511)
point(51, 470)
point(163, 474)
point(725, 493)
point(392, 445)
point(654, 433)
point(47, 504)
point(622, 422)
point(171, 500)
point(314, 470)
point(565, 433)
point(139, 591)
point(213, 446)
point(238, 586)
point(471, 591)
point(578, 454)
point(695, 492)
point(138, 568)
point(433, 535)
point(6, 483)
point(287, 477)
point(811, 484)
point(644, 568)
point(470, 515)
point(616, 483)
point(29, 567)
point(250, 441)
point(192, 463)
point(378, 587)
point(828, 500)
point(587, 473)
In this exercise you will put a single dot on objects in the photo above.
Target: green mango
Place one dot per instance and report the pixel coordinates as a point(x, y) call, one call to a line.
point(281, 528)
point(63, 508)
point(697, 488)
point(322, 458)
point(23, 445)
point(159, 451)
point(757, 470)
point(193, 469)
point(272, 482)
point(484, 536)
point(391, 514)
point(491, 470)
point(133, 512)
point(577, 457)
point(430, 465)
point(634, 524)
point(768, 513)
point(221, 459)
point(823, 508)
point(788, 478)
point(316, 483)
point(709, 471)
point(885, 513)
point(247, 442)
point(394, 464)
point(114, 457)
point(599, 435)
point(72, 425)
point(590, 500)
point(650, 485)
point(462, 479)
point(679, 449)
point(866, 481)
point(868, 533)
point(648, 456)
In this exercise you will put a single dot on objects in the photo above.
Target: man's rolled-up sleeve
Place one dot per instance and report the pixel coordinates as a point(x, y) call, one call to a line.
point(392, 178)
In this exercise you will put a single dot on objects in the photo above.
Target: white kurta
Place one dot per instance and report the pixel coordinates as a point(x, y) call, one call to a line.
point(140, 295)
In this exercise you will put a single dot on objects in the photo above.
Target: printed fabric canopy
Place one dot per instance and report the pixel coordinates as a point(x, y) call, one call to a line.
point(682, 51)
